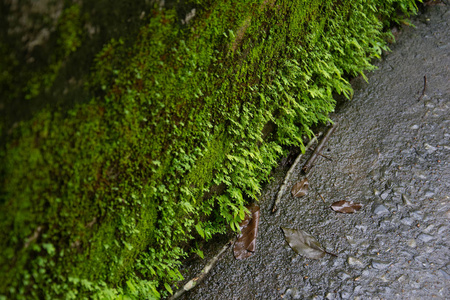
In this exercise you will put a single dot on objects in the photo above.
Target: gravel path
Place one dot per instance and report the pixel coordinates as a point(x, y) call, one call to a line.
point(391, 153)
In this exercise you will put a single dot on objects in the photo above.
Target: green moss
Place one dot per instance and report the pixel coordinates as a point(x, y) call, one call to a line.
point(97, 201)
point(201, 174)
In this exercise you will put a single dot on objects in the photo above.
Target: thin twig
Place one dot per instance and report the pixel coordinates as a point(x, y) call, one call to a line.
point(330, 253)
point(324, 156)
point(322, 198)
point(424, 88)
point(197, 279)
point(308, 165)
point(288, 174)
point(33, 237)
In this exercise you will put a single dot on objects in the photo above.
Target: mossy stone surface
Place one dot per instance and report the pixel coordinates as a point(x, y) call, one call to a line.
point(128, 130)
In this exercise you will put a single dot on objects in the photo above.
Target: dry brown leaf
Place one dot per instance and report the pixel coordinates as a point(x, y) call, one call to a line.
point(300, 188)
point(245, 245)
point(346, 207)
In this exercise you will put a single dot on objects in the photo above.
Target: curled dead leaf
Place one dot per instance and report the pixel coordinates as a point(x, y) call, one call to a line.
point(346, 207)
point(245, 244)
point(300, 188)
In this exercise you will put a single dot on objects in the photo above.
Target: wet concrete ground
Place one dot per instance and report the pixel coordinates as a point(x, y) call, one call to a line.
point(391, 153)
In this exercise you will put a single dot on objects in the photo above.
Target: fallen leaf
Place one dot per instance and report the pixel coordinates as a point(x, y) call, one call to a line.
point(346, 207)
point(245, 244)
point(300, 188)
point(304, 244)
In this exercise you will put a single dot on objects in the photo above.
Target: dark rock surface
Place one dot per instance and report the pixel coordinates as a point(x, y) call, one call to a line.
point(391, 153)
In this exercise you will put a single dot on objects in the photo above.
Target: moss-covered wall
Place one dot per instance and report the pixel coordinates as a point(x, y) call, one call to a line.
point(164, 133)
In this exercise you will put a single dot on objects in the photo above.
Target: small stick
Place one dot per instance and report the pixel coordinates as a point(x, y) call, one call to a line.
point(288, 174)
point(327, 157)
point(424, 88)
point(309, 164)
point(322, 198)
point(330, 253)
point(197, 279)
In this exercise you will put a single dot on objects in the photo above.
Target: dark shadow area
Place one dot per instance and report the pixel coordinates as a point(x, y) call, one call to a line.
point(29, 45)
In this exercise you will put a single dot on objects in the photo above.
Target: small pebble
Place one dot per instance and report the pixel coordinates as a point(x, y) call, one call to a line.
point(428, 229)
point(330, 296)
point(351, 240)
point(425, 237)
point(430, 149)
point(430, 249)
point(385, 194)
point(406, 200)
point(447, 214)
point(421, 258)
point(422, 176)
point(387, 225)
point(412, 243)
point(414, 127)
point(344, 276)
point(358, 289)
point(398, 190)
point(379, 264)
point(429, 194)
point(345, 295)
point(442, 230)
point(381, 210)
point(417, 215)
point(407, 221)
point(364, 245)
point(361, 227)
point(428, 104)
point(384, 279)
point(445, 274)
point(292, 292)
point(354, 262)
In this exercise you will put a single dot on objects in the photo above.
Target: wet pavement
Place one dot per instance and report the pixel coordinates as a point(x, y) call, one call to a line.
point(391, 153)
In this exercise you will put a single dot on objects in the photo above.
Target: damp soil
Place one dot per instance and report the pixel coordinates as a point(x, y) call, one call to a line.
point(391, 153)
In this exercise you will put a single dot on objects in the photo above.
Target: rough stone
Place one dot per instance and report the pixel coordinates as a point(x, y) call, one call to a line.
point(429, 194)
point(330, 296)
point(385, 194)
point(425, 237)
point(412, 243)
point(381, 210)
point(379, 264)
point(430, 149)
point(444, 274)
point(354, 262)
point(345, 295)
point(344, 275)
point(407, 221)
point(406, 200)
point(429, 229)
point(417, 215)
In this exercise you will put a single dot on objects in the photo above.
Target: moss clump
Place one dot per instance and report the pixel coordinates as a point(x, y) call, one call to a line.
point(96, 201)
